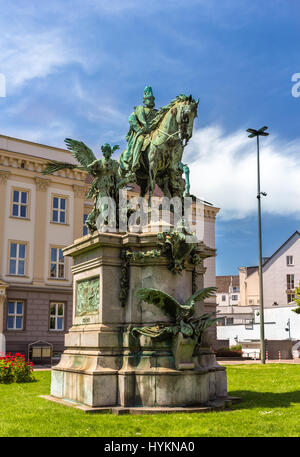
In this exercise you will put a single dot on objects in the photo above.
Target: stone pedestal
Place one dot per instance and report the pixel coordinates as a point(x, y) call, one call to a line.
point(103, 364)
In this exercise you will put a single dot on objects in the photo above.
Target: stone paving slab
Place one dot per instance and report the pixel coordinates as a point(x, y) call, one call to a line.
point(219, 404)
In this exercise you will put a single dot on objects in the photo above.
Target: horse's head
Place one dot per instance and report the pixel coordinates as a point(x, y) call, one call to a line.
point(186, 108)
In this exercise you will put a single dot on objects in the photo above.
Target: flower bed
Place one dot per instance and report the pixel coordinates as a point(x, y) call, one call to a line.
point(14, 368)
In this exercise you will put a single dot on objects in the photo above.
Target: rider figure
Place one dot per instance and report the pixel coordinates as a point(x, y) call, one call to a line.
point(139, 122)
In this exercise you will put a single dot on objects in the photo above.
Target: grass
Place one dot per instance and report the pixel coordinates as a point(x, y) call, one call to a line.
point(270, 407)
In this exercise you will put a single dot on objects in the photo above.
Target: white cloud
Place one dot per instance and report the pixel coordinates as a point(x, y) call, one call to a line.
point(52, 134)
point(98, 107)
point(223, 170)
point(26, 56)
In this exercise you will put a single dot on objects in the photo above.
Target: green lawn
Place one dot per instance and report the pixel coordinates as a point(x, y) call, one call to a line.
point(270, 407)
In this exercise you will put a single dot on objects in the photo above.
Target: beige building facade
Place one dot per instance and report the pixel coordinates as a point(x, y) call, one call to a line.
point(249, 286)
point(39, 216)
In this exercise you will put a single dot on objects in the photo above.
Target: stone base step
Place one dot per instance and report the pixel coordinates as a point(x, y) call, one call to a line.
point(218, 404)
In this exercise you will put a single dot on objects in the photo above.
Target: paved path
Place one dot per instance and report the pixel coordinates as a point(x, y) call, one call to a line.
point(249, 362)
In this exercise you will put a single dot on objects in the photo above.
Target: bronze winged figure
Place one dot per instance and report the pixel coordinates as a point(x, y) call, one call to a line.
point(104, 171)
point(181, 315)
point(83, 154)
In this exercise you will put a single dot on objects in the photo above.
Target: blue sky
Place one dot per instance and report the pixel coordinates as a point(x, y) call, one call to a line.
point(76, 69)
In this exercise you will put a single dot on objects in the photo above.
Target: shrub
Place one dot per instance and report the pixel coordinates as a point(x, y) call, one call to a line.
point(6, 372)
point(15, 368)
point(225, 352)
point(237, 347)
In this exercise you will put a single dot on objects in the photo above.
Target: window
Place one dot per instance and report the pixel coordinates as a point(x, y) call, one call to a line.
point(59, 210)
point(17, 258)
point(289, 260)
point(56, 316)
point(249, 324)
point(223, 297)
point(57, 264)
point(290, 282)
point(15, 315)
point(229, 320)
point(234, 297)
point(290, 297)
point(19, 206)
point(85, 229)
point(250, 302)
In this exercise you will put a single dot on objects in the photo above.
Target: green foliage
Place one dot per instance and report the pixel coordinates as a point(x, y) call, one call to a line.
point(270, 407)
point(15, 368)
point(6, 372)
point(237, 347)
point(297, 300)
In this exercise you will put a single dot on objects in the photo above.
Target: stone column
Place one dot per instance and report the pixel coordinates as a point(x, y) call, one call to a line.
point(79, 196)
point(40, 230)
point(4, 175)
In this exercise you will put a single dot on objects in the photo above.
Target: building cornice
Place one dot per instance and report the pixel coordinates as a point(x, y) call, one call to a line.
point(26, 165)
point(11, 138)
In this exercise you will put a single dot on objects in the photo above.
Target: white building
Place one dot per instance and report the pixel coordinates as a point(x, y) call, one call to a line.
point(280, 324)
point(228, 291)
point(281, 276)
point(281, 273)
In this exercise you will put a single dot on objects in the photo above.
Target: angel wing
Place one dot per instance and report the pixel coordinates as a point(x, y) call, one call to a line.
point(201, 294)
point(160, 299)
point(205, 321)
point(81, 152)
point(53, 165)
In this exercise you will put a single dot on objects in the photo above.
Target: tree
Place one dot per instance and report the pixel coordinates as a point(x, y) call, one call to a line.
point(297, 300)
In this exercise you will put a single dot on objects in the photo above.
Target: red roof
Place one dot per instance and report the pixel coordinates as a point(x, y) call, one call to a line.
point(223, 283)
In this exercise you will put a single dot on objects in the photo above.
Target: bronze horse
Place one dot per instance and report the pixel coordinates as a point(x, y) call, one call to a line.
point(162, 150)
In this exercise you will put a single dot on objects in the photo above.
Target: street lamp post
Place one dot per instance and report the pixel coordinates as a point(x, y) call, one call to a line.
point(258, 133)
